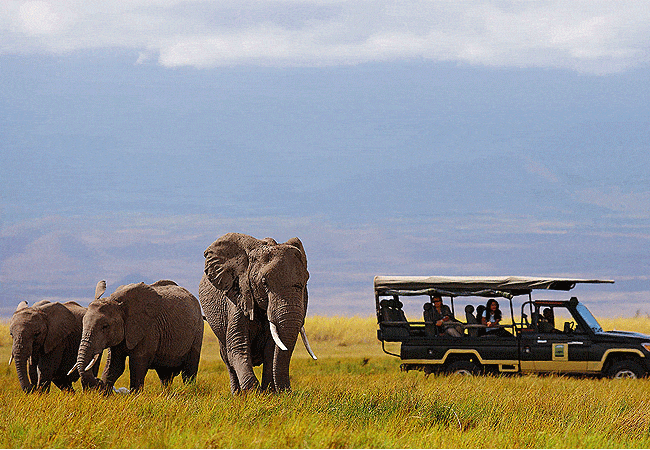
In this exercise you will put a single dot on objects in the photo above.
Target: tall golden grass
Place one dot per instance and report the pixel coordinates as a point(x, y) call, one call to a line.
point(353, 396)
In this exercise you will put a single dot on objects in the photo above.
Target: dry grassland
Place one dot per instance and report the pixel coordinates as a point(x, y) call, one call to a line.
point(353, 396)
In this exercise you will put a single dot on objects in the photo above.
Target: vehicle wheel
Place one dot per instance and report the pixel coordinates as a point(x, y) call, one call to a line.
point(466, 368)
point(625, 369)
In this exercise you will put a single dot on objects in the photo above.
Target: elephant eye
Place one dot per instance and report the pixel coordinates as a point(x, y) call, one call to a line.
point(104, 326)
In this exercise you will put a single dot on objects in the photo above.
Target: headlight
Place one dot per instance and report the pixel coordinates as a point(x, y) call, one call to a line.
point(646, 346)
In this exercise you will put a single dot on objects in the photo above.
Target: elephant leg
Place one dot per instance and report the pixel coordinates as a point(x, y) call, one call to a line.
point(45, 375)
point(138, 366)
point(191, 366)
point(244, 372)
point(235, 388)
point(64, 384)
point(115, 365)
point(267, 367)
point(166, 376)
point(44, 386)
point(239, 351)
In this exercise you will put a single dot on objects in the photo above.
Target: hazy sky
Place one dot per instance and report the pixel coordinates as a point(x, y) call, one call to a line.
point(393, 138)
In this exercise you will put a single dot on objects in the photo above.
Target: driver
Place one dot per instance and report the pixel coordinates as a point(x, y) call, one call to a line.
point(546, 322)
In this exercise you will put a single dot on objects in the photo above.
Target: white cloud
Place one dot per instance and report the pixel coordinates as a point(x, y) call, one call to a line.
point(37, 18)
point(594, 36)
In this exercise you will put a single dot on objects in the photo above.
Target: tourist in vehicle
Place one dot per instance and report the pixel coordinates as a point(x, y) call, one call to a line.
point(549, 316)
point(492, 315)
point(471, 320)
point(440, 314)
point(480, 314)
point(546, 322)
point(492, 320)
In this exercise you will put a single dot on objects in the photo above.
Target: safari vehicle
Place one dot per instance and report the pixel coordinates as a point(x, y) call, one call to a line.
point(532, 344)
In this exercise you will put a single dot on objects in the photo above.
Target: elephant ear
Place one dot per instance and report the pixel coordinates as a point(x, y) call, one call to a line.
point(100, 289)
point(226, 266)
point(141, 305)
point(22, 305)
point(295, 242)
point(60, 323)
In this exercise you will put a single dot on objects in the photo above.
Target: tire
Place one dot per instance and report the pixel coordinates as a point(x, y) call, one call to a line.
point(626, 369)
point(465, 368)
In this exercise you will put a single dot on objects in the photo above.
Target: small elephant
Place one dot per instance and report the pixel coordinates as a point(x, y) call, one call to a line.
point(48, 335)
point(254, 295)
point(158, 326)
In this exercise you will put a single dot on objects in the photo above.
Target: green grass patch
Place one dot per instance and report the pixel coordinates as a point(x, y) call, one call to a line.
point(354, 396)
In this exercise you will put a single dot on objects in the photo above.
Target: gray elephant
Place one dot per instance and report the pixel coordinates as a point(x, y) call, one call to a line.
point(254, 295)
point(158, 326)
point(48, 335)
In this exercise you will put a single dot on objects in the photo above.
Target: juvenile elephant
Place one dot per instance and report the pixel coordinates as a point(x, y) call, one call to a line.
point(254, 295)
point(158, 326)
point(48, 335)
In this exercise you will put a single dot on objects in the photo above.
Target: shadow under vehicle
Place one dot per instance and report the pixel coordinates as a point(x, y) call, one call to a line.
point(530, 344)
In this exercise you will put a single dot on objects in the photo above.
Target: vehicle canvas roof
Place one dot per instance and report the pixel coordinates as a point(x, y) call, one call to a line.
point(473, 286)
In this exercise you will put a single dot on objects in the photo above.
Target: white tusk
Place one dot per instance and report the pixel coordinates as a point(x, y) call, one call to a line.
point(11, 358)
point(73, 369)
point(92, 363)
point(276, 336)
point(303, 335)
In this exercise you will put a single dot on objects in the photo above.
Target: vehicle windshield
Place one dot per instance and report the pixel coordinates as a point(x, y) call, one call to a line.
point(589, 318)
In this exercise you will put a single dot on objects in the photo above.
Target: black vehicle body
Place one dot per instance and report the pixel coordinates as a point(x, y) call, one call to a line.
point(529, 345)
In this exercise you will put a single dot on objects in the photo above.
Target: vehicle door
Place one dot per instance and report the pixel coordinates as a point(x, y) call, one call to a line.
point(549, 348)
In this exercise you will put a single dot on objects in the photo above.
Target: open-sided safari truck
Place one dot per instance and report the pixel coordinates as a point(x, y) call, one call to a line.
point(559, 336)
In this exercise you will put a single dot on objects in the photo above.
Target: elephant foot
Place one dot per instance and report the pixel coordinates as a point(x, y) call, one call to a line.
point(245, 392)
point(93, 384)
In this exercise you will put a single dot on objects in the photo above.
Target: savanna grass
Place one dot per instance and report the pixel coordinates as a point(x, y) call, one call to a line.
point(353, 396)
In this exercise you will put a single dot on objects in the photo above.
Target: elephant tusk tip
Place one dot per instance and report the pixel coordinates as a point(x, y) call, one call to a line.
point(73, 369)
point(305, 341)
point(92, 363)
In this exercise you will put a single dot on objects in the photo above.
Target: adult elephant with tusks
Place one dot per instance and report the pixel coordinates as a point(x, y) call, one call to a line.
point(254, 295)
point(158, 326)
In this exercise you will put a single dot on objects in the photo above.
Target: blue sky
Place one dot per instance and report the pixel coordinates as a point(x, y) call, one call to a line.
point(429, 138)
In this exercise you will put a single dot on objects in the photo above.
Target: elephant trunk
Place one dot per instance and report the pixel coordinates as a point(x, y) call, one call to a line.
point(84, 357)
point(23, 378)
point(288, 330)
point(27, 375)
